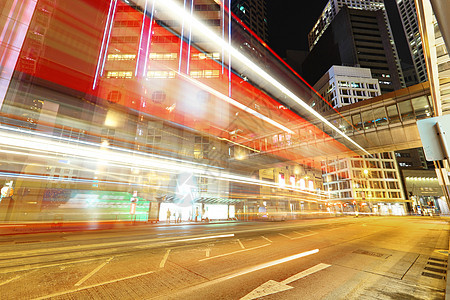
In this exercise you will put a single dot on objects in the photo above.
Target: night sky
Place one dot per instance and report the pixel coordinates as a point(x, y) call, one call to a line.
point(290, 22)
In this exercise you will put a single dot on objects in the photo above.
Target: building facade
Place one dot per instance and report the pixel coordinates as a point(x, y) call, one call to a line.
point(408, 15)
point(331, 10)
point(342, 86)
point(369, 184)
point(359, 38)
point(254, 14)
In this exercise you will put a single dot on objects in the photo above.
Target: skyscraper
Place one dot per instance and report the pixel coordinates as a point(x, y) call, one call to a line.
point(332, 9)
point(253, 13)
point(356, 38)
point(408, 15)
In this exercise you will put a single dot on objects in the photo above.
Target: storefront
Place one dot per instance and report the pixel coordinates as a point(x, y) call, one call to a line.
point(196, 212)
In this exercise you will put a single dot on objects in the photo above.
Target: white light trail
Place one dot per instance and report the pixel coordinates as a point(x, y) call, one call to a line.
point(109, 36)
point(59, 139)
point(38, 142)
point(200, 28)
point(144, 16)
point(181, 40)
point(189, 40)
point(150, 34)
point(103, 45)
point(236, 103)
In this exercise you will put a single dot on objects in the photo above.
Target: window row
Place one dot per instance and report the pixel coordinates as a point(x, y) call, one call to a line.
point(373, 164)
point(357, 85)
point(413, 109)
point(163, 56)
point(374, 174)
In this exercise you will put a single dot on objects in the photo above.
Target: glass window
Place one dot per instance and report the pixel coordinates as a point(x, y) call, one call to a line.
point(360, 93)
point(356, 119)
point(421, 107)
point(388, 165)
point(161, 74)
point(393, 114)
point(345, 125)
point(390, 174)
point(379, 116)
point(346, 100)
point(357, 164)
point(386, 155)
point(372, 164)
point(406, 110)
point(393, 185)
point(367, 117)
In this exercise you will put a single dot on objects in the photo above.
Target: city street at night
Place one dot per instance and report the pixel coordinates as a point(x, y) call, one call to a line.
point(224, 149)
point(333, 258)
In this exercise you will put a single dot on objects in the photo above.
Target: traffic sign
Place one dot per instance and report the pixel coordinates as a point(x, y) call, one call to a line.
point(435, 136)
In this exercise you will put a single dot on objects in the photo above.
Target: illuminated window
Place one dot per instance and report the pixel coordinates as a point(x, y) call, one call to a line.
point(121, 56)
point(200, 56)
point(343, 84)
point(119, 74)
point(124, 39)
point(163, 56)
point(205, 74)
point(161, 74)
point(128, 23)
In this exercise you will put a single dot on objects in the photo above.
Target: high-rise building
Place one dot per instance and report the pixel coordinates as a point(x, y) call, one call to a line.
point(253, 13)
point(408, 15)
point(332, 9)
point(355, 37)
point(342, 86)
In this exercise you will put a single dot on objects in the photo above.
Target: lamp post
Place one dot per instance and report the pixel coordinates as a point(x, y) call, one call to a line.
point(367, 192)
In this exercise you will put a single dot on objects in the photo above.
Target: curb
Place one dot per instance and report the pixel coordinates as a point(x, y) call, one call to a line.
point(30, 228)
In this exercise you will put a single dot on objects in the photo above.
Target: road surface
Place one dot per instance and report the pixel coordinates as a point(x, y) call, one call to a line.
point(337, 258)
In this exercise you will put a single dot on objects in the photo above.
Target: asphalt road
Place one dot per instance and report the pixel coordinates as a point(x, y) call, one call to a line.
point(341, 258)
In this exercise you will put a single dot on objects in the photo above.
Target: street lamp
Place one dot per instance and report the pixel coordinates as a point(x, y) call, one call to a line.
point(367, 192)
